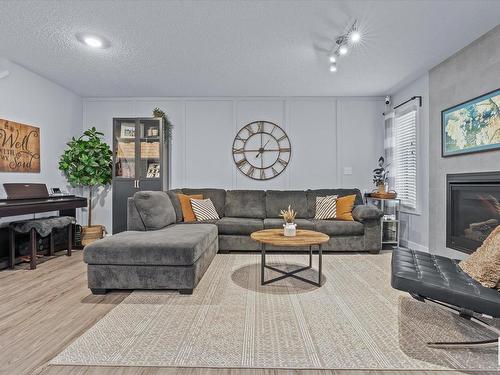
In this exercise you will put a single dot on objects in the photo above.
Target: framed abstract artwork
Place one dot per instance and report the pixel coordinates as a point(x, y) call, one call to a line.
point(473, 126)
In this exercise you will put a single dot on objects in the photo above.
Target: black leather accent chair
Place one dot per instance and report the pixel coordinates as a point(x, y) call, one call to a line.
point(439, 280)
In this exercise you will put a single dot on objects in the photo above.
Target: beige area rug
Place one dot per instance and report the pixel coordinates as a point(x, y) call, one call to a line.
point(354, 321)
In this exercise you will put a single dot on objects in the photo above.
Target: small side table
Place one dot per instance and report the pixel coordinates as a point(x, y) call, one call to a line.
point(391, 221)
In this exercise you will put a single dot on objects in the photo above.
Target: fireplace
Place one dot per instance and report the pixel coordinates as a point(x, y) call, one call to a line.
point(472, 209)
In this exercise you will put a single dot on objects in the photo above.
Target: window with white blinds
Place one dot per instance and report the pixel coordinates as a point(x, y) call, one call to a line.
point(405, 157)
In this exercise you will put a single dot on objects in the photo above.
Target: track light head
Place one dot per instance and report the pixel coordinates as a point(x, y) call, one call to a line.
point(355, 36)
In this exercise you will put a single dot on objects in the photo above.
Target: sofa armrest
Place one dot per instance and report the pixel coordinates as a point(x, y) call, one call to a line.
point(366, 212)
point(134, 221)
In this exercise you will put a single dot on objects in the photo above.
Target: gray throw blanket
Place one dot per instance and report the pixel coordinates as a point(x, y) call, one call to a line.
point(43, 225)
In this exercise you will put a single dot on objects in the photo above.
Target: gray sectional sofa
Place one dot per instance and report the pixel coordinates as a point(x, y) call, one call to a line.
point(159, 251)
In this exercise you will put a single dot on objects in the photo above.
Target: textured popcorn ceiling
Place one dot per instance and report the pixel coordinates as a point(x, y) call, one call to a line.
point(233, 48)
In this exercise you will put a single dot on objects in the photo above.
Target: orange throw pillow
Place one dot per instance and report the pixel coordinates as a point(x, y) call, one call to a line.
point(344, 207)
point(187, 211)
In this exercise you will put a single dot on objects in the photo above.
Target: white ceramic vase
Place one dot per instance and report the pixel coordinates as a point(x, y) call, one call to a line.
point(289, 229)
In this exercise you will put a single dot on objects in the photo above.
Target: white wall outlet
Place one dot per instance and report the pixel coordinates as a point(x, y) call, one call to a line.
point(347, 171)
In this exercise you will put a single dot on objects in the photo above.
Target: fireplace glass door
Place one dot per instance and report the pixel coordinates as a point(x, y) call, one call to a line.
point(474, 211)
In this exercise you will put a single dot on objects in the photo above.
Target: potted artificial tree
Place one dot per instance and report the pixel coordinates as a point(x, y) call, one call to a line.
point(87, 162)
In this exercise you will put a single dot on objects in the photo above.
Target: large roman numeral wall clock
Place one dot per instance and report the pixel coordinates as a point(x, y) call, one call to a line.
point(261, 150)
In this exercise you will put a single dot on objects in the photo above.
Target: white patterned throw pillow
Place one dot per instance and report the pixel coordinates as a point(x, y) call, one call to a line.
point(326, 207)
point(204, 209)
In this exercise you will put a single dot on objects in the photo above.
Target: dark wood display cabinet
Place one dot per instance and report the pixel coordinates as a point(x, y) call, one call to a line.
point(140, 162)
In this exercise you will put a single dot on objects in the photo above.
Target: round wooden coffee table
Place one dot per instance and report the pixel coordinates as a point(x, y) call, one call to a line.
point(303, 238)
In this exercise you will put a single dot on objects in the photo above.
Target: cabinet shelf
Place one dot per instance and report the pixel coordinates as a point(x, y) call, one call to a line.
point(150, 139)
point(126, 139)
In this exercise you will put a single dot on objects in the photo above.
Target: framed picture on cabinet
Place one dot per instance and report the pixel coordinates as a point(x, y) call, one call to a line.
point(127, 131)
point(153, 170)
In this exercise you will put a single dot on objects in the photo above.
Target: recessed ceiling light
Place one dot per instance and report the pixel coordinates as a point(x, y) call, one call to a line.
point(332, 58)
point(333, 68)
point(93, 41)
point(343, 50)
point(355, 36)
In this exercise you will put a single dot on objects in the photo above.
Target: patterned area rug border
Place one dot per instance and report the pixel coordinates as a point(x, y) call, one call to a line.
point(355, 321)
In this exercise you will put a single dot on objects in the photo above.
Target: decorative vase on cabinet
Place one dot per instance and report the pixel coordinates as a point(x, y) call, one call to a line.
point(140, 162)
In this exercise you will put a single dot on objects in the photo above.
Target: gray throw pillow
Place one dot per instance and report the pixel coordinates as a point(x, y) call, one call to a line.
point(155, 209)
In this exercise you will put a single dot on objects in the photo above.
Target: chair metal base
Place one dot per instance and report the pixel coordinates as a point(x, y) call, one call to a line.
point(464, 314)
point(293, 273)
point(463, 345)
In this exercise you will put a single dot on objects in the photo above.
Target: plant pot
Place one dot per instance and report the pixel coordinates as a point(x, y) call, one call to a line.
point(289, 230)
point(381, 188)
point(92, 234)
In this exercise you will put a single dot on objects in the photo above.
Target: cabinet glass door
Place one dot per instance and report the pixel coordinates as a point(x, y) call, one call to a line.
point(149, 148)
point(125, 145)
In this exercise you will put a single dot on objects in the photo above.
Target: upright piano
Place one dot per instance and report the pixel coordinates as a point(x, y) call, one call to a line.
point(31, 198)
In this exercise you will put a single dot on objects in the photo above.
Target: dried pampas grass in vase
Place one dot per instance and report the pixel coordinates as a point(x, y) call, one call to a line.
point(289, 228)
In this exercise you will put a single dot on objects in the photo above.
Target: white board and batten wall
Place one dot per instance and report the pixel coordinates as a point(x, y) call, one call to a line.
point(335, 141)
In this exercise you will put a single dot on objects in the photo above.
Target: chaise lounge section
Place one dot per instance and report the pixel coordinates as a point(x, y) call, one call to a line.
point(166, 255)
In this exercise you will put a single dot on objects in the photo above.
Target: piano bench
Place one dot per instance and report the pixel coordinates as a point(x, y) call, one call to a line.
point(44, 227)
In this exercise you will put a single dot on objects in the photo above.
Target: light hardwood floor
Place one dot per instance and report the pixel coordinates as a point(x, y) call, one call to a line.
point(44, 310)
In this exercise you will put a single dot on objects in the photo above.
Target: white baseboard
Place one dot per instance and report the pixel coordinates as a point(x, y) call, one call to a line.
point(414, 246)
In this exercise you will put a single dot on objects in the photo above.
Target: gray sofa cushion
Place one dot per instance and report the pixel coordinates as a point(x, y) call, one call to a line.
point(312, 194)
point(339, 228)
point(277, 200)
point(155, 209)
point(366, 212)
point(235, 242)
point(278, 224)
point(246, 203)
point(178, 244)
point(239, 225)
point(172, 194)
point(217, 196)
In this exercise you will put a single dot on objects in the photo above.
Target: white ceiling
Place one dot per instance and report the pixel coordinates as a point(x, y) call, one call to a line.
point(237, 48)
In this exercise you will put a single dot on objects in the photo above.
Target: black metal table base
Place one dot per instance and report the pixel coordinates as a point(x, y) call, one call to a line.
point(293, 273)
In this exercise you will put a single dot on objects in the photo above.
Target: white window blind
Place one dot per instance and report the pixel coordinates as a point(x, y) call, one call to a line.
point(405, 157)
